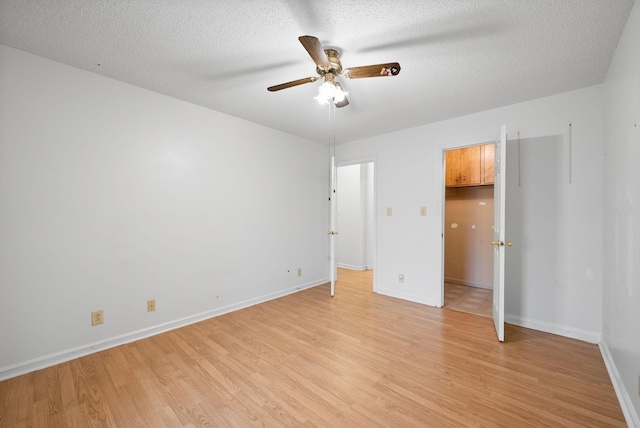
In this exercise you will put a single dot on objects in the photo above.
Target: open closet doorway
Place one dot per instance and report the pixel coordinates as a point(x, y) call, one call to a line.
point(468, 229)
point(355, 222)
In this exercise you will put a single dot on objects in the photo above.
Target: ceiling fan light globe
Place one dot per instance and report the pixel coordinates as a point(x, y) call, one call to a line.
point(339, 96)
point(322, 99)
point(327, 90)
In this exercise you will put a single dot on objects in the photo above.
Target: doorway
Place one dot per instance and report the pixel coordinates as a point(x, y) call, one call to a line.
point(468, 229)
point(355, 221)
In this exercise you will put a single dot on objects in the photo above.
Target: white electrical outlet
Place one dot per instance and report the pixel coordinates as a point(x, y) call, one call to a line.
point(299, 272)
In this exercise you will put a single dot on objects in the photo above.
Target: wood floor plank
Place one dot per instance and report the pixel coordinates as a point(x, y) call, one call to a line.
point(311, 360)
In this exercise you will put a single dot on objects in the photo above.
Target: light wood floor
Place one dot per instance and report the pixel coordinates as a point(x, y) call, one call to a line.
point(356, 360)
point(473, 300)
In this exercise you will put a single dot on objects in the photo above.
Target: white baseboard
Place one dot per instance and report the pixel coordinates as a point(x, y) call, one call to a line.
point(628, 410)
point(29, 366)
point(351, 267)
point(405, 296)
point(560, 330)
point(468, 283)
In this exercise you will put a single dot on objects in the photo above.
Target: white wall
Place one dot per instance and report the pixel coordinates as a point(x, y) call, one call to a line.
point(355, 216)
point(111, 195)
point(409, 174)
point(621, 304)
point(468, 231)
point(350, 219)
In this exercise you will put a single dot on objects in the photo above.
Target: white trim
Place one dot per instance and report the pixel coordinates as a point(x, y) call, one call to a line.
point(29, 366)
point(467, 283)
point(628, 410)
point(459, 144)
point(553, 328)
point(406, 296)
point(351, 267)
point(356, 161)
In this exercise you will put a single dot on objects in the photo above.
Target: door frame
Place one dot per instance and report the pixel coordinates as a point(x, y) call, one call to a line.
point(361, 161)
point(443, 188)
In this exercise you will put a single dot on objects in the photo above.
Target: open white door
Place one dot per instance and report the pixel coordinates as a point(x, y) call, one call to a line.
point(499, 233)
point(333, 270)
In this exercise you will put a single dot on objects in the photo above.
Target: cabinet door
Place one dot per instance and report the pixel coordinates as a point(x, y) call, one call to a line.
point(487, 163)
point(470, 161)
point(452, 158)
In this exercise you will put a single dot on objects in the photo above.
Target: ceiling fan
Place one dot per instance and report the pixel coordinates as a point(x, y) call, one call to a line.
point(328, 67)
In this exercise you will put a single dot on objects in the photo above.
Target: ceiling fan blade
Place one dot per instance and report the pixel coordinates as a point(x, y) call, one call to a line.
point(291, 84)
point(377, 70)
point(314, 47)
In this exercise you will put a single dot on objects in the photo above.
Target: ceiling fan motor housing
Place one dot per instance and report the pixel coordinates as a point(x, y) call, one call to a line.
point(335, 66)
point(328, 67)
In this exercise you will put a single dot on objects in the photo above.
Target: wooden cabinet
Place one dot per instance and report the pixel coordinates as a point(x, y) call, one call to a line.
point(487, 164)
point(470, 166)
point(452, 167)
point(464, 166)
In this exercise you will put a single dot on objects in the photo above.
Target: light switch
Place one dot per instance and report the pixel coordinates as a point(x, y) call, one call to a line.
point(389, 212)
point(423, 211)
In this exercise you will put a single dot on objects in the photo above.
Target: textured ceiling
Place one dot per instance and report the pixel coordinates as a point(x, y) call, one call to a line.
point(457, 57)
